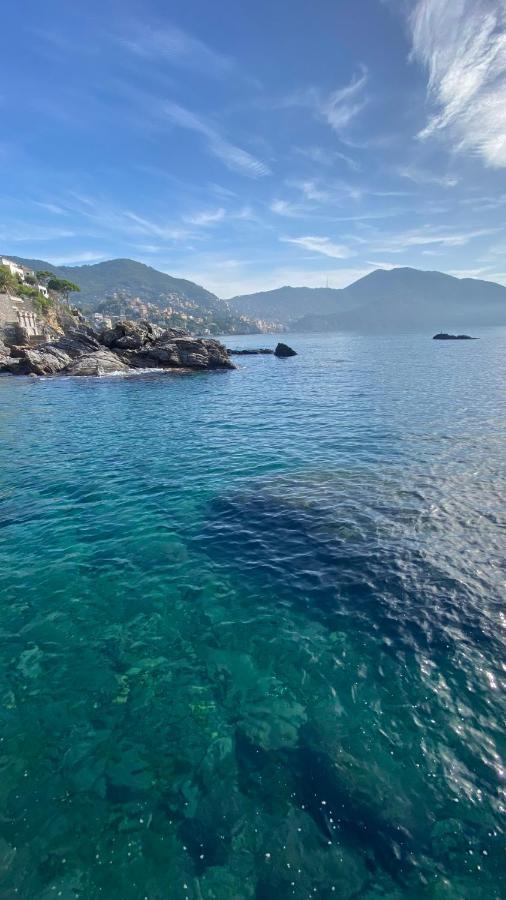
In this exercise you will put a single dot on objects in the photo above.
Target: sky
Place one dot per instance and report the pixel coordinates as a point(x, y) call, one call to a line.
point(250, 145)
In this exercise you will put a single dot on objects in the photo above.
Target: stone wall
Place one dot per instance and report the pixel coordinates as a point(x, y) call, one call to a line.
point(18, 319)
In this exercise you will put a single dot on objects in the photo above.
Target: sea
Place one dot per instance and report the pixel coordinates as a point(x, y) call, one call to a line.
point(252, 627)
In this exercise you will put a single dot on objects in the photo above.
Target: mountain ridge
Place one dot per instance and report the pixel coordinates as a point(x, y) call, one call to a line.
point(123, 274)
point(384, 300)
point(397, 299)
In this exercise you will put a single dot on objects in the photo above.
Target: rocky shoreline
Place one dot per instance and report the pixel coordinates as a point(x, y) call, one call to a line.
point(127, 347)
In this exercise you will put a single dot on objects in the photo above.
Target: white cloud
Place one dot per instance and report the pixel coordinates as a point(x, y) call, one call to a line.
point(427, 237)
point(322, 245)
point(74, 259)
point(51, 207)
point(338, 108)
point(324, 157)
point(233, 157)
point(342, 105)
point(176, 47)
point(206, 217)
point(462, 44)
point(420, 176)
point(142, 225)
point(284, 208)
point(21, 232)
point(311, 191)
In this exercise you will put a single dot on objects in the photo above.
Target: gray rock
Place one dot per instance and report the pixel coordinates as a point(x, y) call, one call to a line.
point(284, 351)
point(127, 335)
point(45, 360)
point(159, 355)
point(203, 353)
point(99, 362)
point(250, 352)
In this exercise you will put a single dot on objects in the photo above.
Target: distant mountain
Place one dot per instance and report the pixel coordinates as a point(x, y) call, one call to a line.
point(396, 300)
point(286, 304)
point(125, 276)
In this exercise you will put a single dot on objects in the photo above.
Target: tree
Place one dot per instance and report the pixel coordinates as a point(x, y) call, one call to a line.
point(41, 276)
point(62, 286)
point(8, 284)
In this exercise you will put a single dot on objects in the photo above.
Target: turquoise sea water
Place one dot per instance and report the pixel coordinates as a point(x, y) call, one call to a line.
point(250, 627)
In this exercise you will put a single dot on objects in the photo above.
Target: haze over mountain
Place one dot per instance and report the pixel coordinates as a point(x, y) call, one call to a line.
point(394, 300)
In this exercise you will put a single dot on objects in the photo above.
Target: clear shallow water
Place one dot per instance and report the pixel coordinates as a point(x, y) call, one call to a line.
point(251, 636)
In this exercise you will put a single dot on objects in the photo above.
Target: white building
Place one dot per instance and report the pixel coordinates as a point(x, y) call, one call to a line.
point(14, 268)
point(42, 289)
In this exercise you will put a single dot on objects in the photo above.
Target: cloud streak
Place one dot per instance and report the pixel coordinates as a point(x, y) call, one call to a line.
point(337, 108)
point(235, 158)
point(323, 245)
point(177, 47)
point(462, 45)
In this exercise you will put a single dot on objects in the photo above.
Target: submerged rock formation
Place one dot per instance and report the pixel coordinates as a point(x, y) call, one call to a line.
point(81, 350)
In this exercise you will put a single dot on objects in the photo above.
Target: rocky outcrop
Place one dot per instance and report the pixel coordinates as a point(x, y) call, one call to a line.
point(127, 346)
point(45, 360)
point(98, 362)
point(284, 351)
point(129, 335)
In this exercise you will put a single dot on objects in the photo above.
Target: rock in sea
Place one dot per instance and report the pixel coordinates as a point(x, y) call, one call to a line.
point(283, 350)
point(442, 336)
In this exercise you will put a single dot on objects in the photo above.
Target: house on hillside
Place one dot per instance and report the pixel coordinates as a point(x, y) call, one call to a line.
point(14, 268)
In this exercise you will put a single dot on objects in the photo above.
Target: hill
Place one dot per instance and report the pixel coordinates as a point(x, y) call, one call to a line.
point(401, 299)
point(127, 276)
point(130, 289)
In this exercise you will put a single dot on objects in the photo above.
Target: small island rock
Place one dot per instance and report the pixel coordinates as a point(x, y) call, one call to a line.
point(443, 336)
point(283, 351)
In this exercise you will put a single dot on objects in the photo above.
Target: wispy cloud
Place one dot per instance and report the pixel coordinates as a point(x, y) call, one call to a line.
point(427, 237)
point(312, 191)
point(21, 232)
point(284, 208)
point(420, 176)
point(337, 108)
point(462, 44)
point(51, 207)
point(141, 225)
point(233, 157)
point(342, 105)
point(74, 259)
point(176, 47)
point(323, 245)
point(206, 217)
point(324, 157)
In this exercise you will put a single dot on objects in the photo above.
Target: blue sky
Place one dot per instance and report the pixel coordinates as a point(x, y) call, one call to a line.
point(249, 145)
